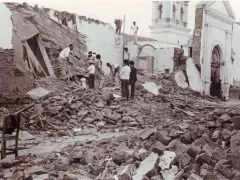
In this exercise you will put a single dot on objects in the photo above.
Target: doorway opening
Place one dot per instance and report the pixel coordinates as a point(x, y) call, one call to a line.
point(215, 88)
point(33, 44)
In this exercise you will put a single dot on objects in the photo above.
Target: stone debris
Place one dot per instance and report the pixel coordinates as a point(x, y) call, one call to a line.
point(166, 160)
point(38, 93)
point(152, 87)
point(146, 166)
point(171, 133)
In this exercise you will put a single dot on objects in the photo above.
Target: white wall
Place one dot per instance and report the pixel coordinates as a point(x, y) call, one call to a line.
point(102, 40)
point(164, 60)
point(236, 48)
point(194, 77)
point(7, 26)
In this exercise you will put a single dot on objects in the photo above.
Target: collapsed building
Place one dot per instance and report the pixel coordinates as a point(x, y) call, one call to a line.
point(36, 41)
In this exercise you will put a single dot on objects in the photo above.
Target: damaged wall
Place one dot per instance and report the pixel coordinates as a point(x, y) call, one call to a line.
point(29, 23)
point(197, 37)
point(100, 36)
point(6, 24)
point(194, 76)
point(14, 80)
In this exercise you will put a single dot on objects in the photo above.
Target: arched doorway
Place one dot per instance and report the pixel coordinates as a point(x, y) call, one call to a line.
point(146, 58)
point(215, 70)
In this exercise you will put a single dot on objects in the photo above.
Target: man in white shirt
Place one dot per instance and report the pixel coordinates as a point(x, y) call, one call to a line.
point(64, 60)
point(124, 76)
point(135, 30)
point(91, 70)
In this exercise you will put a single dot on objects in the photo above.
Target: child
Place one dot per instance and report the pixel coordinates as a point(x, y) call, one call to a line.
point(91, 71)
point(133, 78)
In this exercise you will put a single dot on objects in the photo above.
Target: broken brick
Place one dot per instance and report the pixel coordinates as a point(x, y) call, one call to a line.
point(193, 151)
point(204, 158)
point(146, 133)
point(163, 137)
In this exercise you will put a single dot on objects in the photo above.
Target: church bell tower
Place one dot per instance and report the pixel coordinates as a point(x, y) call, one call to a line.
point(169, 22)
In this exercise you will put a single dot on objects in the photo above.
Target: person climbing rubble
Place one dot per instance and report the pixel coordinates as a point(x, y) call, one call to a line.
point(114, 69)
point(91, 71)
point(99, 72)
point(124, 76)
point(133, 78)
point(64, 61)
point(135, 31)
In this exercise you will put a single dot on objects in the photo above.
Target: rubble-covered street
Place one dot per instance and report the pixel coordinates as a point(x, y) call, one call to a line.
point(79, 134)
point(69, 110)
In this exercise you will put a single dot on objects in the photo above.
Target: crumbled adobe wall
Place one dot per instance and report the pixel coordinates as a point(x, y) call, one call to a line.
point(100, 36)
point(14, 81)
point(15, 78)
point(197, 36)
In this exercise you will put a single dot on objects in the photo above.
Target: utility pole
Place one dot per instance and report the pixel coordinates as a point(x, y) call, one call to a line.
point(124, 21)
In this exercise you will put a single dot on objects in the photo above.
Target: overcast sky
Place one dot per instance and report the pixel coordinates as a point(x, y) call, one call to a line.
point(107, 10)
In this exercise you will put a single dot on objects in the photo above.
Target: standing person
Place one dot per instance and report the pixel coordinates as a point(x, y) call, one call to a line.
point(118, 24)
point(64, 61)
point(218, 87)
point(99, 72)
point(114, 68)
point(135, 31)
point(124, 76)
point(133, 78)
point(126, 54)
point(91, 71)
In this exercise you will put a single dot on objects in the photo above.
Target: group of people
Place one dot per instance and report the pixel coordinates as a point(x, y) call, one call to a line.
point(127, 74)
point(95, 70)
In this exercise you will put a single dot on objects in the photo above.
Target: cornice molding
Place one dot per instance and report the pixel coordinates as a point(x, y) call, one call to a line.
point(219, 15)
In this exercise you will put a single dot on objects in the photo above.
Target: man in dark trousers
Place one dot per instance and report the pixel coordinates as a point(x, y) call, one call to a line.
point(124, 77)
point(133, 78)
point(218, 87)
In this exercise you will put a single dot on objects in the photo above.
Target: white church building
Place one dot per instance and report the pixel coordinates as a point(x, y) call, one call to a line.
point(212, 48)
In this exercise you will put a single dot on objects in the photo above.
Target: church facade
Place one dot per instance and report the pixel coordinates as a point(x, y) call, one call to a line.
point(215, 45)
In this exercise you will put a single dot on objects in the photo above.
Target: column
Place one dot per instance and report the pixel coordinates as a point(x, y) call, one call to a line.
point(154, 11)
point(185, 17)
point(207, 60)
point(226, 68)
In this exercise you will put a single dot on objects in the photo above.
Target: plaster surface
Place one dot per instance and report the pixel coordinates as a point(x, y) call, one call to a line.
point(7, 27)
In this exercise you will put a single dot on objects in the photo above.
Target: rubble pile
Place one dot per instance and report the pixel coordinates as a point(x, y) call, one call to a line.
point(177, 134)
point(177, 149)
point(69, 107)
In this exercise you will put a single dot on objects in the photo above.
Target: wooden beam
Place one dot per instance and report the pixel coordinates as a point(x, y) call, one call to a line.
point(45, 56)
point(33, 58)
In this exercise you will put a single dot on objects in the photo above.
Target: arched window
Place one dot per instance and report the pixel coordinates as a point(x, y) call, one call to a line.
point(160, 10)
point(174, 12)
point(181, 15)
